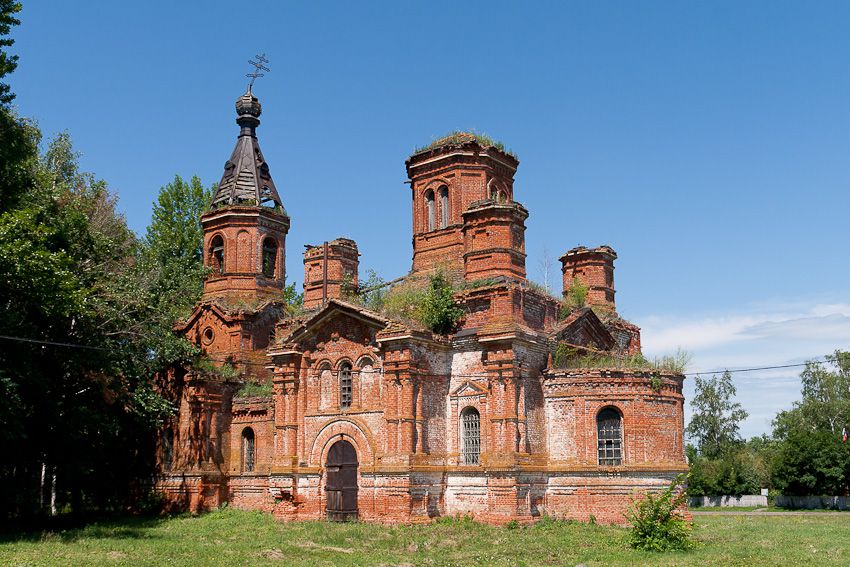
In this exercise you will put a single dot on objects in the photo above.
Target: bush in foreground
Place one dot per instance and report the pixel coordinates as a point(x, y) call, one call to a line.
point(657, 521)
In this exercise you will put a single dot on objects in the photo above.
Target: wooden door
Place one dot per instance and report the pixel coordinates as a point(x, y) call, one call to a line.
point(341, 482)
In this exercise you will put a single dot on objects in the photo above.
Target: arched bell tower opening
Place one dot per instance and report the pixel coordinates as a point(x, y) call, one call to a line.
point(341, 482)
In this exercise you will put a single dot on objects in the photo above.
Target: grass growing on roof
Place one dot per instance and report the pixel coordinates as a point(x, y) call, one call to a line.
point(567, 356)
point(252, 388)
point(458, 137)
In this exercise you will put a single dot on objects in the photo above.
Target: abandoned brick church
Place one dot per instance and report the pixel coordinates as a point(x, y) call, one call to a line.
point(375, 417)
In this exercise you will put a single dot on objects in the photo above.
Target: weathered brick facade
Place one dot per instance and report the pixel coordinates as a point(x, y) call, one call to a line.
point(383, 420)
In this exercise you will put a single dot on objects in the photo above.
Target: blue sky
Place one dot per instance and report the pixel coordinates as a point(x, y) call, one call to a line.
point(707, 142)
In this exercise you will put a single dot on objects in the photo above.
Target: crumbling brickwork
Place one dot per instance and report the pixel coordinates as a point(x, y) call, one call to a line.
point(593, 268)
point(477, 422)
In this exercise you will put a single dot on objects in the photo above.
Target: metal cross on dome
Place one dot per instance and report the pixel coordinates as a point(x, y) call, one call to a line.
point(259, 65)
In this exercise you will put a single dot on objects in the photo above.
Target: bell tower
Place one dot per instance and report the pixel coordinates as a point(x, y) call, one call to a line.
point(246, 226)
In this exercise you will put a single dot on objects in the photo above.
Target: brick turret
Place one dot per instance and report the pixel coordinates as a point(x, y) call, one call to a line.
point(327, 268)
point(245, 229)
point(446, 179)
point(594, 268)
point(494, 240)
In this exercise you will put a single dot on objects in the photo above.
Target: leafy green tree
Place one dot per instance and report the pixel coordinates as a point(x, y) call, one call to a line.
point(739, 471)
point(72, 273)
point(19, 138)
point(826, 393)
point(172, 264)
point(84, 311)
point(812, 457)
point(67, 278)
point(812, 463)
point(175, 232)
point(716, 419)
point(8, 63)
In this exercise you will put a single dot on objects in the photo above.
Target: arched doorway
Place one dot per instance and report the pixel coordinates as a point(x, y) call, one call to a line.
point(341, 482)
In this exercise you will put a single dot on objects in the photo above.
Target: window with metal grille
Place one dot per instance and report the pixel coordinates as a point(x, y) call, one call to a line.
point(248, 449)
point(609, 434)
point(470, 430)
point(345, 386)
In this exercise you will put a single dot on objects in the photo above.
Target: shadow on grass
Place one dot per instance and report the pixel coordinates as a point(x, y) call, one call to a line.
point(67, 528)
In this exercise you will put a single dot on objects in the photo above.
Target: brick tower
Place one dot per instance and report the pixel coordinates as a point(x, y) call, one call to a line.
point(453, 175)
point(494, 240)
point(327, 268)
point(246, 226)
point(593, 267)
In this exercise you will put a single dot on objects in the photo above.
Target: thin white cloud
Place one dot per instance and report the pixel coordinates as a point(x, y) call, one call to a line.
point(765, 335)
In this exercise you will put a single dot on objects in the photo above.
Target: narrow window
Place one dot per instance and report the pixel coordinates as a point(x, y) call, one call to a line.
point(167, 449)
point(345, 386)
point(269, 257)
point(248, 449)
point(470, 430)
point(217, 254)
point(429, 206)
point(444, 206)
point(608, 428)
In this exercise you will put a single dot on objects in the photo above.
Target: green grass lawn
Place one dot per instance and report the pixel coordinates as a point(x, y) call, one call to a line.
point(231, 537)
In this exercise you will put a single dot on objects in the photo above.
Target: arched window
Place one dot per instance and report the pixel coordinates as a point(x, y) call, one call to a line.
point(269, 257)
point(167, 449)
point(444, 206)
point(345, 386)
point(217, 254)
point(248, 450)
point(470, 436)
point(429, 208)
point(609, 435)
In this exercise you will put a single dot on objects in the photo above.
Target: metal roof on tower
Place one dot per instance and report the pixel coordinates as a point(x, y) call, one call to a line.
point(246, 179)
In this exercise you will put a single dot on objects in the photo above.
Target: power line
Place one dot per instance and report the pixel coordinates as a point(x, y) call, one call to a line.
point(50, 343)
point(753, 369)
point(250, 363)
point(485, 375)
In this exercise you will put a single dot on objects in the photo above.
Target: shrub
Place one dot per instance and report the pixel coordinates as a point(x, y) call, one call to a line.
point(404, 301)
point(372, 291)
point(657, 520)
point(440, 313)
point(293, 301)
point(575, 297)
